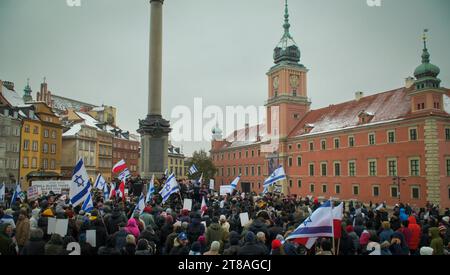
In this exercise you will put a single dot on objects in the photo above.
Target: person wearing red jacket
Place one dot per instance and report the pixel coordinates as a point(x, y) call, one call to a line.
point(415, 235)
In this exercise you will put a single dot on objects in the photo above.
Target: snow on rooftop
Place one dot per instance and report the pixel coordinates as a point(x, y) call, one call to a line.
point(12, 97)
point(90, 121)
point(73, 130)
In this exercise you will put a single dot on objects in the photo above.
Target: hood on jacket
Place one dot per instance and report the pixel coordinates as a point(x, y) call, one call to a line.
point(56, 239)
point(131, 223)
point(215, 226)
point(412, 220)
point(434, 231)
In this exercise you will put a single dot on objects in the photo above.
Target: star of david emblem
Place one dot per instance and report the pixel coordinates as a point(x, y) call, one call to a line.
point(308, 220)
point(79, 181)
point(167, 187)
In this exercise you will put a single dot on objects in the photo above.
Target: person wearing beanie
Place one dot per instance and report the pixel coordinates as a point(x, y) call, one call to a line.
point(426, 251)
point(202, 240)
point(214, 250)
point(109, 248)
point(250, 247)
point(180, 245)
point(276, 248)
point(386, 233)
point(398, 244)
point(130, 246)
point(195, 249)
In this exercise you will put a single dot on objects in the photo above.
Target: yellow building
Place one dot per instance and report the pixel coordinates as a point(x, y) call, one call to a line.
point(176, 162)
point(104, 154)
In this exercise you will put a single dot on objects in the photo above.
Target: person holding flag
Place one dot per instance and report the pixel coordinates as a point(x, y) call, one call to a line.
point(151, 190)
point(16, 194)
point(100, 182)
point(169, 188)
point(204, 207)
point(140, 205)
point(88, 205)
point(235, 182)
point(80, 185)
point(193, 169)
point(276, 176)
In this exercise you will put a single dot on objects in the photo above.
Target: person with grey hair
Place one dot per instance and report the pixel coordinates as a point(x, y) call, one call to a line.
point(36, 244)
point(214, 250)
point(261, 241)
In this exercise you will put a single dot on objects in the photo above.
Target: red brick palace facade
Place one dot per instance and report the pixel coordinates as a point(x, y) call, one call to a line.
point(392, 146)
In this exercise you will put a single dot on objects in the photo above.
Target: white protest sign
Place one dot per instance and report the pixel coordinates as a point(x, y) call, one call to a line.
point(244, 219)
point(61, 227)
point(187, 204)
point(51, 225)
point(204, 223)
point(211, 184)
point(57, 187)
point(33, 193)
point(226, 189)
point(91, 237)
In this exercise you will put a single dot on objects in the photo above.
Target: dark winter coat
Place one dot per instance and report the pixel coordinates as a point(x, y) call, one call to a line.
point(251, 249)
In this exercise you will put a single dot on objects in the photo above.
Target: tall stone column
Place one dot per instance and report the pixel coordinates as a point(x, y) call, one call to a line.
point(154, 129)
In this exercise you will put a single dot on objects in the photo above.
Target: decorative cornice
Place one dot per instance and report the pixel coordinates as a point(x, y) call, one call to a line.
point(161, 1)
point(155, 126)
point(283, 98)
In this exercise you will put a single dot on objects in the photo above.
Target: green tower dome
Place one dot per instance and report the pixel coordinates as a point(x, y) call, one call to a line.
point(426, 73)
point(286, 50)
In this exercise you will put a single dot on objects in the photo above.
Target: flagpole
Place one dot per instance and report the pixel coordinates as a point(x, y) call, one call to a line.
point(332, 226)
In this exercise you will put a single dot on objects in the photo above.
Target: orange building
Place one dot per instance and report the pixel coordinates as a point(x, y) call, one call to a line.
point(392, 146)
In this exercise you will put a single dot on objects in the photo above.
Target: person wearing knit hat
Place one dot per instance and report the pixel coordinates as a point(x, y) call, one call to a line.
point(195, 249)
point(224, 224)
point(214, 250)
point(426, 251)
point(280, 238)
point(446, 219)
point(130, 246)
point(276, 248)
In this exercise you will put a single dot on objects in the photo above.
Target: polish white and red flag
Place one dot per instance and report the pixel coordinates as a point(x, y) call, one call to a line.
point(119, 167)
point(204, 207)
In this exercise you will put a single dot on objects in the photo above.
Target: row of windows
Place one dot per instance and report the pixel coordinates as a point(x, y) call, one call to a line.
point(125, 146)
point(239, 155)
point(414, 167)
point(9, 147)
point(125, 155)
point(376, 189)
point(252, 170)
point(9, 131)
point(9, 164)
point(35, 147)
point(178, 171)
point(44, 164)
point(177, 161)
point(36, 131)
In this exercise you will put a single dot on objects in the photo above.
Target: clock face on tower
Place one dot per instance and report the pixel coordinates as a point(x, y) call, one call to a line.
point(294, 81)
point(276, 83)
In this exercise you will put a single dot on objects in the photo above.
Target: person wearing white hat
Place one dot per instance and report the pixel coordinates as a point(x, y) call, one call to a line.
point(426, 250)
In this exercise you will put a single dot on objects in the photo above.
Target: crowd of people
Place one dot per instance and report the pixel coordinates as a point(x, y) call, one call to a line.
point(170, 230)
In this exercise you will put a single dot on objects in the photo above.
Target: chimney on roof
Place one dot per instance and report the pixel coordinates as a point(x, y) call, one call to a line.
point(9, 85)
point(359, 95)
point(409, 82)
point(235, 135)
point(247, 131)
point(258, 136)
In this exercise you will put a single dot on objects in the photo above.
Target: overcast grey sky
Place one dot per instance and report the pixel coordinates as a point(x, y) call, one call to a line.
point(216, 49)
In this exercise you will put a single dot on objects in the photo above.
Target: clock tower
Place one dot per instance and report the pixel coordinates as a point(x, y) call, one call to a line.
point(288, 98)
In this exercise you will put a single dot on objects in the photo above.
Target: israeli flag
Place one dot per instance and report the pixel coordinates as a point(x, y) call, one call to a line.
point(166, 172)
point(319, 224)
point(88, 205)
point(16, 193)
point(80, 185)
point(124, 175)
point(151, 189)
point(2, 193)
point(141, 205)
point(100, 182)
point(169, 188)
point(193, 169)
point(235, 182)
point(276, 176)
point(105, 192)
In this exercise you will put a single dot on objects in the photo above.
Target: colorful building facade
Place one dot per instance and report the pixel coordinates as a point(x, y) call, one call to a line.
point(392, 146)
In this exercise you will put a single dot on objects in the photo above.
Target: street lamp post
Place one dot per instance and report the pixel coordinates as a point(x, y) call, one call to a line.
point(397, 181)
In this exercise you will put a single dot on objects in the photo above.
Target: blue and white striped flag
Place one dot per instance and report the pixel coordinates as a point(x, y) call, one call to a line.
point(16, 193)
point(140, 205)
point(151, 189)
point(235, 182)
point(100, 182)
point(88, 205)
point(276, 176)
point(169, 188)
point(80, 186)
point(124, 175)
point(2, 193)
point(319, 224)
point(106, 192)
point(193, 169)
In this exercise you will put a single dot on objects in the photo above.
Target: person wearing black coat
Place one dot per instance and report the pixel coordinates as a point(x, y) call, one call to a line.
point(234, 246)
point(100, 232)
point(195, 229)
point(36, 244)
point(259, 225)
point(116, 218)
point(251, 248)
point(109, 248)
